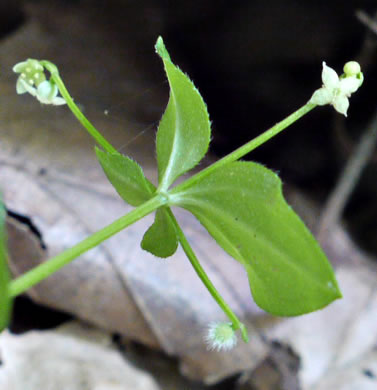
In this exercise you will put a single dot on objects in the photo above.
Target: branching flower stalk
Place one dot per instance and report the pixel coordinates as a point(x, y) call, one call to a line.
point(221, 336)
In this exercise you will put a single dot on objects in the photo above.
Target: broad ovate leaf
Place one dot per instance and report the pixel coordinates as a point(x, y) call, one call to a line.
point(5, 300)
point(242, 207)
point(126, 176)
point(184, 132)
point(161, 239)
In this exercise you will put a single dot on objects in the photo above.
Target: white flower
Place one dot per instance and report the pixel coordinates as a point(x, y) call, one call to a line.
point(33, 80)
point(336, 90)
point(220, 336)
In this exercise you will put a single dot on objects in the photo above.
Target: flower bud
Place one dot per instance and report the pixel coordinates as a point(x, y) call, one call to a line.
point(33, 80)
point(352, 68)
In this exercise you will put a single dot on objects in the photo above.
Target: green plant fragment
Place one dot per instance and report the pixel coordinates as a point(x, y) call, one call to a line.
point(184, 131)
point(126, 176)
point(243, 208)
point(5, 300)
point(161, 239)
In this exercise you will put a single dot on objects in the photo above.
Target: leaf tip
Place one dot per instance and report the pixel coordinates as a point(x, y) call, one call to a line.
point(161, 49)
point(334, 288)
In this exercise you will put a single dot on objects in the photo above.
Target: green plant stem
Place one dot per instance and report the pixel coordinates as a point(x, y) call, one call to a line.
point(75, 110)
point(247, 148)
point(44, 270)
point(236, 323)
point(37, 274)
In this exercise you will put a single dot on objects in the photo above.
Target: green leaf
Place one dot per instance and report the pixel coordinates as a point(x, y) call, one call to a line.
point(5, 300)
point(184, 132)
point(128, 179)
point(126, 176)
point(161, 239)
point(243, 208)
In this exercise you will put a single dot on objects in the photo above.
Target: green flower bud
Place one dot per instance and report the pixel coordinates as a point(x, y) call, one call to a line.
point(352, 68)
point(33, 80)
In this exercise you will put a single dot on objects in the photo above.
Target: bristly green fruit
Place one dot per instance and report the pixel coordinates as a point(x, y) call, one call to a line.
point(243, 208)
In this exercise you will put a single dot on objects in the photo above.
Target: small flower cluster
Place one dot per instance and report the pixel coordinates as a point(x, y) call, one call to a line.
point(336, 90)
point(33, 80)
point(220, 336)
